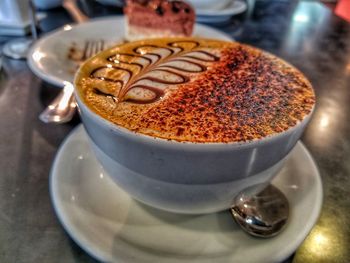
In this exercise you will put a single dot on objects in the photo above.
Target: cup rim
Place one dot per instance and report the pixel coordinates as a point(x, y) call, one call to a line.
point(200, 145)
point(169, 142)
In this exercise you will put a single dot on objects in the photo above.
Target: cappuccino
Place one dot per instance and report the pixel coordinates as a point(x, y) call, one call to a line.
point(195, 90)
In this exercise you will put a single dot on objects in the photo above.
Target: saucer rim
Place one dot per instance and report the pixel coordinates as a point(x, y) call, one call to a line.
point(281, 255)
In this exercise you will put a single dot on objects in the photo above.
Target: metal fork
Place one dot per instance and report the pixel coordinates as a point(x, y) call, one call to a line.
point(91, 48)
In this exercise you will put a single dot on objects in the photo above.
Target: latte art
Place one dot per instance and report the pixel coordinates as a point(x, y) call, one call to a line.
point(195, 90)
point(151, 69)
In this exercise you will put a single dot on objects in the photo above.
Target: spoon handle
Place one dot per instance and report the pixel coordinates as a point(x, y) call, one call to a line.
point(62, 109)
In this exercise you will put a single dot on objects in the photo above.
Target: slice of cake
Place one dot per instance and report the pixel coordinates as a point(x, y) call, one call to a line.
point(158, 18)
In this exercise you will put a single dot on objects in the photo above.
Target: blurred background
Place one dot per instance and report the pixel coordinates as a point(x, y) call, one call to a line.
point(312, 35)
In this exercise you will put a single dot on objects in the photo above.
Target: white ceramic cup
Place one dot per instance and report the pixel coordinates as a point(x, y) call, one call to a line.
point(190, 178)
point(184, 177)
point(209, 4)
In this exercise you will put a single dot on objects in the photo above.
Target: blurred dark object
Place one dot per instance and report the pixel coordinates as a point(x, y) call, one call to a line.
point(119, 3)
point(47, 4)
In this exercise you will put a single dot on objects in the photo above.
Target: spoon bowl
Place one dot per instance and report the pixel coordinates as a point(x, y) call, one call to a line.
point(262, 215)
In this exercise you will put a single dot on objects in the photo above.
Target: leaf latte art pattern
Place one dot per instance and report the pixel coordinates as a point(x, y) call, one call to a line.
point(143, 74)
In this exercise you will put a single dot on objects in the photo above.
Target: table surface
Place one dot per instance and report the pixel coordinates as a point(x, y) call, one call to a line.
point(306, 34)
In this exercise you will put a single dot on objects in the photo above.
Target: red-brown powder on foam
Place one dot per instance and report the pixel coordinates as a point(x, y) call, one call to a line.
point(247, 95)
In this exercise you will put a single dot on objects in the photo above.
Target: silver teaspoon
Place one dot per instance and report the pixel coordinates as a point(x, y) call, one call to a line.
point(62, 108)
point(263, 215)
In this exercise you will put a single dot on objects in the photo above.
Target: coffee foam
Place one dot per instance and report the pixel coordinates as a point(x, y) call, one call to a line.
point(195, 90)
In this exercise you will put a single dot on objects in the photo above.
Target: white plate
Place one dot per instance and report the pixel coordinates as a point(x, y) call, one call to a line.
point(48, 58)
point(217, 16)
point(112, 227)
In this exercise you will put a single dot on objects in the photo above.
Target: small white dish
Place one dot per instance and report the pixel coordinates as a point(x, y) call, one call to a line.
point(48, 57)
point(219, 16)
point(113, 227)
point(209, 4)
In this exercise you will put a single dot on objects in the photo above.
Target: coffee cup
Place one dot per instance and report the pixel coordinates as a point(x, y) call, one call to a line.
point(198, 174)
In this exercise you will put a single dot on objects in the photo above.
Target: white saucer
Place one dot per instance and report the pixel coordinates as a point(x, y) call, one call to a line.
point(48, 58)
point(112, 227)
point(218, 16)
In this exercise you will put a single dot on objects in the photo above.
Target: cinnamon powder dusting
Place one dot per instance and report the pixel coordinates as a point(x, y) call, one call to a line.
point(248, 94)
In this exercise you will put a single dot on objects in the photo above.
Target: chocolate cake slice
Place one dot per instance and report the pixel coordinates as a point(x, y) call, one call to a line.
point(158, 18)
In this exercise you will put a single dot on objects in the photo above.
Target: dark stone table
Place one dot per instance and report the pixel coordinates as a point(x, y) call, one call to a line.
point(306, 34)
